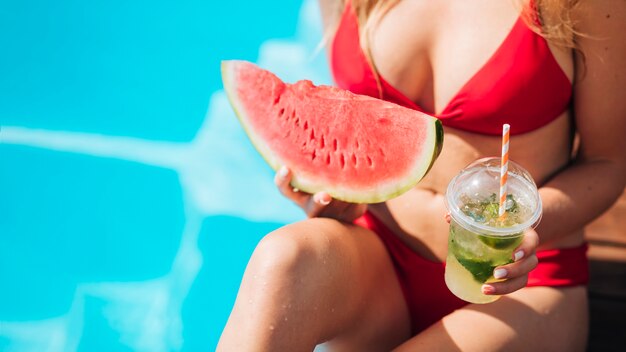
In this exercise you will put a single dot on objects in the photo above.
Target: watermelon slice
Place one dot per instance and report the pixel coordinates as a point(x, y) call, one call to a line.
point(357, 148)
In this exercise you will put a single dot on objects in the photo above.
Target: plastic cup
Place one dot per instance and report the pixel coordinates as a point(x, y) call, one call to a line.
point(479, 240)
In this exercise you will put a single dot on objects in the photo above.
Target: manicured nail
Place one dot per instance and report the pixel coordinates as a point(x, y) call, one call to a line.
point(518, 255)
point(282, 173)
point(296, 190)
point(499, 273)
point(320, 199)
point(324, 202)
point(488, 289)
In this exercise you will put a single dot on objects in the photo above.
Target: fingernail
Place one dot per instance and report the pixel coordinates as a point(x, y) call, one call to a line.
point(518, 255)
point(488, 289)
point(499, 273)
point(320, 199)
point(323, 201)
point(296, 190)
point(282, 173)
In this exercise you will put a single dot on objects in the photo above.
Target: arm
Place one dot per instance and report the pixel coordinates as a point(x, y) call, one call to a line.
point(597, 177)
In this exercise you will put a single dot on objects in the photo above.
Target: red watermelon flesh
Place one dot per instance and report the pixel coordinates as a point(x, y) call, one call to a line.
point(356, 148)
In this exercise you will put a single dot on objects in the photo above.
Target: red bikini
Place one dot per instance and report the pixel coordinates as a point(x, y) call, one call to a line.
point(427, 296)
point(521, 84)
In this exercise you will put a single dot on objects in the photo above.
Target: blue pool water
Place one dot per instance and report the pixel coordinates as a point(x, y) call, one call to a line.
point(125, 212)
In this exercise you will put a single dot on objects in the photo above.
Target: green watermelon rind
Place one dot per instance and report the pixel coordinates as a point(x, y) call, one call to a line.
point(230, 87)
point(307, 183)
point(379, 193)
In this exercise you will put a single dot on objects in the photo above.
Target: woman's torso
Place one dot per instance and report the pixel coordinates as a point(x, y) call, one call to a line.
point(416, 49)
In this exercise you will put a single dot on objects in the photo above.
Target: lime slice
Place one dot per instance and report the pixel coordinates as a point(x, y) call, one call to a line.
point(500, 243)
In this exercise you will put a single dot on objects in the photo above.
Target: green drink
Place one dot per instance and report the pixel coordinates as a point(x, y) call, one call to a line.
point(479, 240)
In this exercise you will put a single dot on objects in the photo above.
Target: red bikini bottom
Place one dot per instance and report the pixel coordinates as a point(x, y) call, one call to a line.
point(425, 291)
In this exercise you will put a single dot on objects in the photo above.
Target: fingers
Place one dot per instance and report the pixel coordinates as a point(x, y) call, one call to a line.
point(504, 287)
point(282, 180)
point(527, 247)
point(323, 205)
point(312, 205)
point(320, 204)
point(322, 198)
point(350, 212)
point(317, 204)
point(515, 275)
point(353, 212)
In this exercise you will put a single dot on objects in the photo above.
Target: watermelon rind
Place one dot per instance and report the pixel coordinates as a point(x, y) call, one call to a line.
point(310, 183)
point(230, 87)
point(380, 193)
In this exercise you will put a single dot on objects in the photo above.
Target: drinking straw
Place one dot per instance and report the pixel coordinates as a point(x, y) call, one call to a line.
point(504, 168)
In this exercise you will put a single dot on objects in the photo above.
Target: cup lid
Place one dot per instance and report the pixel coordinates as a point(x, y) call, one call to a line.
point(481, 180)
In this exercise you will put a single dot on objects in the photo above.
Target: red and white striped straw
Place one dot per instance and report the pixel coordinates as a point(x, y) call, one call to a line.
point(504, 168)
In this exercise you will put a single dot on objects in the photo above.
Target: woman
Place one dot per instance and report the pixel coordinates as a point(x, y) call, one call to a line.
point(376, 283)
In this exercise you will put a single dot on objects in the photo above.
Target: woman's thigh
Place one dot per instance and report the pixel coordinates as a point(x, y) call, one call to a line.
point(320, 280)
point(531, 319)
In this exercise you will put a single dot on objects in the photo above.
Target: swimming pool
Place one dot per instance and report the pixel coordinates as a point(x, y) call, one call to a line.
point(125, 216)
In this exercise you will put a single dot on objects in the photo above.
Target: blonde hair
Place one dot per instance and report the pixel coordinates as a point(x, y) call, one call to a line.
point(369, 13)
point(552, 19)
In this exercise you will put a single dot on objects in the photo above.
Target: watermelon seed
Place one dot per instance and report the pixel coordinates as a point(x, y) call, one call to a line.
point(281, 113)
point(357, 144)
point(306, 125)
point(342, 159)
point(354, 161)
point(277, 100)
point(323, 142)
point(327, 159)
point(297, 121)
point(369, 161)
point(335, 145)
point(312, 136)
point(313, 155)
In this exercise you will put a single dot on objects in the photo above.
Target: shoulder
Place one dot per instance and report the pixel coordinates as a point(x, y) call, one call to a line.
point(600, 20)
point(586, 8)
point(601, 75)
point(601, 37)
point(600, 26)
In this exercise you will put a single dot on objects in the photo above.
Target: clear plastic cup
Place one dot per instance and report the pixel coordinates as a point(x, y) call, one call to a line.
point(479, 240)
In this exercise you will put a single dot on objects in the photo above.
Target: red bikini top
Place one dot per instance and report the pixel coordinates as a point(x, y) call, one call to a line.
point(521, 83)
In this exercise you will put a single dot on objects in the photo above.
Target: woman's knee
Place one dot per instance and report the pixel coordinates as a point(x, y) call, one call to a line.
point(296, 251)
point(333, 277)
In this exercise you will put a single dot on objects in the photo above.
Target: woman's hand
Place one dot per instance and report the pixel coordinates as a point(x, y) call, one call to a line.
point(320, 204)
point(515, 275)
